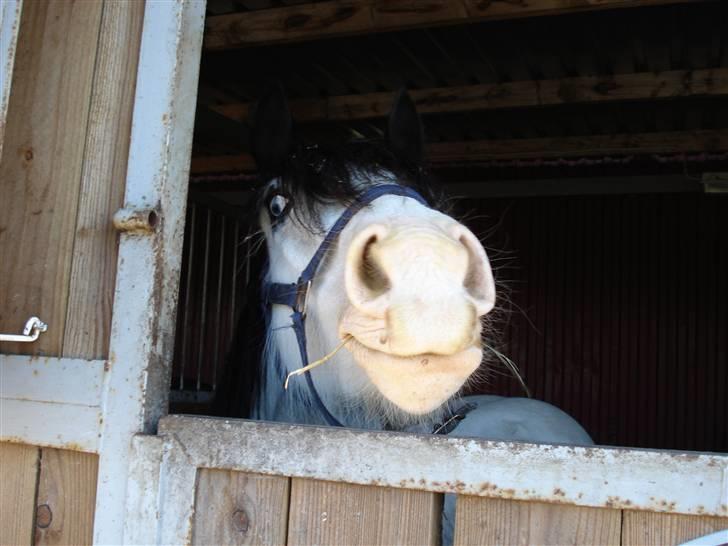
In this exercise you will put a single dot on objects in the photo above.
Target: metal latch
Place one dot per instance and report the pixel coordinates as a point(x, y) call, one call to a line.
point(32, 329)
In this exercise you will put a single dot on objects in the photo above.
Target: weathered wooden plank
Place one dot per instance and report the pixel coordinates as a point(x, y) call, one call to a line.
point(66, 497)
point(93, 271)
point(143, 491)
point(604, 477)
point(240, 508)
point(68, 426)
point(500, 521)
point(527, 148)
point(323, 512)
point(652, 528)
point(60, 380)
point(352, 17)
point(584, 89)
point(41, 165)
point(18, 477)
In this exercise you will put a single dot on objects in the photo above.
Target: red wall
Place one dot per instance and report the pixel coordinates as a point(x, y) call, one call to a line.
point(619, 312)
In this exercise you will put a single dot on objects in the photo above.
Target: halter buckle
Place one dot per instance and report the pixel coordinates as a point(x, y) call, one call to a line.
point(302, 292)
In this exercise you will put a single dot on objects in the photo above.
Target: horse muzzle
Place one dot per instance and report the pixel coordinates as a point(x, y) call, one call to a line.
point(416, 295)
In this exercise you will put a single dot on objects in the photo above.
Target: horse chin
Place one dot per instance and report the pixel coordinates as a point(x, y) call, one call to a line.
point(416, 384)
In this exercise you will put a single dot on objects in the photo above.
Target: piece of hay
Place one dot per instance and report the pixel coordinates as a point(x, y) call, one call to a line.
point(320, 361)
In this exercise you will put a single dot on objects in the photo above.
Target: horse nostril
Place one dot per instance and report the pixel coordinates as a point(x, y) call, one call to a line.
point(478, 280)
point(365, 278)
point(370, 272)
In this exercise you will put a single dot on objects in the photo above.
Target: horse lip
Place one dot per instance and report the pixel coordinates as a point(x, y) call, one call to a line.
point(358, 345)
point(416, 384)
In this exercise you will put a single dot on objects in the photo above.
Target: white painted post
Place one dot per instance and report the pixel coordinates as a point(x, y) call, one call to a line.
point(145, 302)
point(9, 26)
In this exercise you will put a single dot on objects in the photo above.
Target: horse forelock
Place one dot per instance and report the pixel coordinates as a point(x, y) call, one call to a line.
point(316, 176)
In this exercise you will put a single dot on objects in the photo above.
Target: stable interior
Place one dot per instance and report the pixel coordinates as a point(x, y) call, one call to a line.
point(589, 150)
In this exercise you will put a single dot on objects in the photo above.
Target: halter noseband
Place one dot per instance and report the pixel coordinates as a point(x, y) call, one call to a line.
point(295, 295)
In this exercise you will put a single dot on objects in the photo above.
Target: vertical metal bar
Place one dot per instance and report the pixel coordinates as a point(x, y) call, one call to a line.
point(234, 270)
point(221, 261)
point(203, 311)
point(185, 311)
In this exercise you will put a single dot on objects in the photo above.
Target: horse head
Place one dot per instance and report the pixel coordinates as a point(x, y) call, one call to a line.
point(403, 285)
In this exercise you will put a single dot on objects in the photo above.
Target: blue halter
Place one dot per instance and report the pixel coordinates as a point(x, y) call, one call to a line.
point(295, 295)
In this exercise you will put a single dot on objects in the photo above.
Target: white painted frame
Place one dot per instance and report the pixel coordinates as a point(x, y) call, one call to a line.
point(145, 301)
point(162, 503)
point(10, 11)
point(53, 402)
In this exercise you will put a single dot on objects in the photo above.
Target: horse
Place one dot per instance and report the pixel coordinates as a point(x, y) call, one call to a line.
point(368, 273)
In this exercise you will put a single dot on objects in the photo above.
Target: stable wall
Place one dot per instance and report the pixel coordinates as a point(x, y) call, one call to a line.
point(618, 312)
point(612, 306)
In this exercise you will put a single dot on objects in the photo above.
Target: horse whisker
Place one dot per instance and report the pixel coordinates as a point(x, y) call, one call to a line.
point(511, 366)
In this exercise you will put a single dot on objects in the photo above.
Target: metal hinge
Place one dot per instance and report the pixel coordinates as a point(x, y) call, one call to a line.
point(32, 329)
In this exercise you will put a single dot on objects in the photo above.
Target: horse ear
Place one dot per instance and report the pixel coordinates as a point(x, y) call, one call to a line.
point(404, 131)
point(272, 128)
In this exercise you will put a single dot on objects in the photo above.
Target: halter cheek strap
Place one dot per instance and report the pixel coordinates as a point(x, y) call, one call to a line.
point(295, 295)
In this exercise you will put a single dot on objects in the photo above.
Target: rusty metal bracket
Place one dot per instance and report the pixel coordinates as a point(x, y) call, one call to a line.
point(31, 331)
point(140, 221)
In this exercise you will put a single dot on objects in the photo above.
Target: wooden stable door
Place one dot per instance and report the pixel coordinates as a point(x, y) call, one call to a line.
point(65, 126)
point(93, 185)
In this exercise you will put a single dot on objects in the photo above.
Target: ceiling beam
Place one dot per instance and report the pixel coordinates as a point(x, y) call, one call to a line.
point(530, 148)
point(584, 89)
point(670, 142)
point(354, 17)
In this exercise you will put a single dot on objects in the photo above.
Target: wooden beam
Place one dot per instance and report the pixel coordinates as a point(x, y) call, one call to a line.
point(222, 164)
point(586, 146)
point(527, 148)
point(585, 89)
point(352, 17)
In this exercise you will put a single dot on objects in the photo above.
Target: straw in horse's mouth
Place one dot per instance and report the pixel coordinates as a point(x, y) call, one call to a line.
point(315, 364)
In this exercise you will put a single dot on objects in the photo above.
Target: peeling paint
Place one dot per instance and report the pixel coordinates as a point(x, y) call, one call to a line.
point(10, 12)
point(150, 252)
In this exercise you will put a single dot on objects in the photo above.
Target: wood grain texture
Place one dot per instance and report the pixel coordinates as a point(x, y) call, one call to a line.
point(527, 148)
point(583, 89)
point(481, 521)
point(654, 528)
point(240, 508)
point(18, 478)
point(66, 497)
point(352, 17)
point(93, 271)
point(40, 170)
point(337, 513)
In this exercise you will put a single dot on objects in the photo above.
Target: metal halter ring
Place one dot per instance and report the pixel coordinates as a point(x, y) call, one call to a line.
point(302, 294)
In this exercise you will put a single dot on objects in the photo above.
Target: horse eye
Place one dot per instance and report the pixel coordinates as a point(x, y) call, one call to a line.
point(277, 205)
